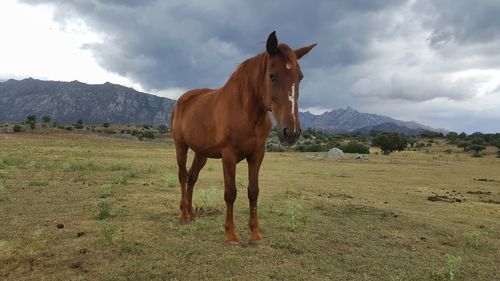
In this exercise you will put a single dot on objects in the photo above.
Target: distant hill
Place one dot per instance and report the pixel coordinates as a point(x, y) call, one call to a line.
point(388, 127)
point(350, 120)
point(66, 102)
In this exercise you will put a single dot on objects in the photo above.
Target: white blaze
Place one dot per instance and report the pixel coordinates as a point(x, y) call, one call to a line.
point(291, 97)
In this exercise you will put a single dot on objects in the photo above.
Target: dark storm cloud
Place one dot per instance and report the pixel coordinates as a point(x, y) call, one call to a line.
point(187, 44)
point(370, 54)
point(467, 22)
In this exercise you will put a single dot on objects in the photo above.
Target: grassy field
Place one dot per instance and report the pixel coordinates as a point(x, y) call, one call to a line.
point(84, 207)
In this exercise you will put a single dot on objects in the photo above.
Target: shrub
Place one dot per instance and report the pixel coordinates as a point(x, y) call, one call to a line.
point(17, 128)
point(79, 124)
point(309, 148)
point(31, 121)
point(476, 149)
point(104, 210)
point(355, 147)
point(146, 134)
point(162, 129)
point(389, 142)
point(105, 125)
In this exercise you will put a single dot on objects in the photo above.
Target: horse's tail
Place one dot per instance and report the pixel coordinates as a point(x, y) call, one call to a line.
point(172, 114)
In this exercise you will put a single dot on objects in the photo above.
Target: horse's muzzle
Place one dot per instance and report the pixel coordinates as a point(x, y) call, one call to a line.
point(288, 137)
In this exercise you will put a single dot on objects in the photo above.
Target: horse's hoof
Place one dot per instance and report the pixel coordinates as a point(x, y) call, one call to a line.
point(256, 243)
point(184, 221)
point(232, 243)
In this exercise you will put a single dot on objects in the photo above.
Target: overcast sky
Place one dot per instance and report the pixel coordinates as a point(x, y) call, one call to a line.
point(434, 62)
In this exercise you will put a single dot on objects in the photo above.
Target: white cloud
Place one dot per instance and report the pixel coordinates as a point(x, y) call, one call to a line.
point(435, 62)
point(37, 46)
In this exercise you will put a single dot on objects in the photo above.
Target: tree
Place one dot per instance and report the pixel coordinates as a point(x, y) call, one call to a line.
point(105, 125)
point(390, 142)
point(79, 124)
point(452, 136)
point(355, 147)
point(477, 140)
point(162, 128)
point(412, 141)
point(31, 121)
point(476, 148)
point(46, 119)
point(496, 143)
point(464, 144)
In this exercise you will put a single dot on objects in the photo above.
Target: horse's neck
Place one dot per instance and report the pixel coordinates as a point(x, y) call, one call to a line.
point(246, 90)
point(246, 100)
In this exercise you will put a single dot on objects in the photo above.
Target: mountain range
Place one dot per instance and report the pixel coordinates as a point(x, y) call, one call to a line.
point(67, 102)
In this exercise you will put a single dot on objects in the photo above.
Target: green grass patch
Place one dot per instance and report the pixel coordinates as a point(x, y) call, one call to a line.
point(451, 269)
point(104, 210)
point(107, 190)
point(170, 180)
point(79, 166)
point(38, 183)
point(208, 201)
point(4, 174)
point(324, 220)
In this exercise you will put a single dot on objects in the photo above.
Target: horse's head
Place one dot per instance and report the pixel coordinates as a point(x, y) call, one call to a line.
point(283, 77)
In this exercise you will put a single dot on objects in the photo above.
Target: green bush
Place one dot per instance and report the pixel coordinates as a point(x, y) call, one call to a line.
point(17, 128)
point(355, 147)
point(146, 134)
point(79, 124)
point(309, 148)
point(162, 129)
point(46, 119)
point(389, 142)
point(31, 121)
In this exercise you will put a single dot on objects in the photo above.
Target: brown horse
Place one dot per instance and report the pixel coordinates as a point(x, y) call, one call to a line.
point(233, 123)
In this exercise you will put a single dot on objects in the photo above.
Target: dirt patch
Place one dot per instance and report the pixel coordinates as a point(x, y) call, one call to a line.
point(479, 192)
point(484, 179)
point(335, 195)
point(444, 198)
point(490, 201)
point(389, 214)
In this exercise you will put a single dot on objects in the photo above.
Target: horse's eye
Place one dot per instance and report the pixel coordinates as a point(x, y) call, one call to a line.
point(273, 77)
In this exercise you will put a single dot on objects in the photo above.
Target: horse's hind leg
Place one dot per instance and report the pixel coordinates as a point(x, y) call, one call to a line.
point(181, 153)
point(254, 163)
point(198, 164)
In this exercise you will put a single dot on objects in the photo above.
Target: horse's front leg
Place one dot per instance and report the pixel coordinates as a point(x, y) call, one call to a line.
point(254, 163)
point(229, 165)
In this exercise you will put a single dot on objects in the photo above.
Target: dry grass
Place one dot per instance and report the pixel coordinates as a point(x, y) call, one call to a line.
point(322, 220)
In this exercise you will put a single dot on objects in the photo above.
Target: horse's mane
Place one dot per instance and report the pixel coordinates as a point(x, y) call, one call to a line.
point(250, 73)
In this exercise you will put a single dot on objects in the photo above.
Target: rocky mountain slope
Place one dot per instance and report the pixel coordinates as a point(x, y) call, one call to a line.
point(67, 102)
point(350, 120)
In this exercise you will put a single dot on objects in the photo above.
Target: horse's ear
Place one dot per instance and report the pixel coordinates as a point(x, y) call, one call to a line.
point(304, 50)
point(272, 44)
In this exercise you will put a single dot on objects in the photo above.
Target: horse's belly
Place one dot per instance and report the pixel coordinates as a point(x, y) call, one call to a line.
point(210, 153)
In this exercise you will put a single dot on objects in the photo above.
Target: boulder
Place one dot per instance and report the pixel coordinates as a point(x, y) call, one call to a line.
point(334, 153)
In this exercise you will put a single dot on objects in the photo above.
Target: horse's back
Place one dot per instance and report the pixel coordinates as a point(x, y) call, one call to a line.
point(186, 101)
point(192, 118)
